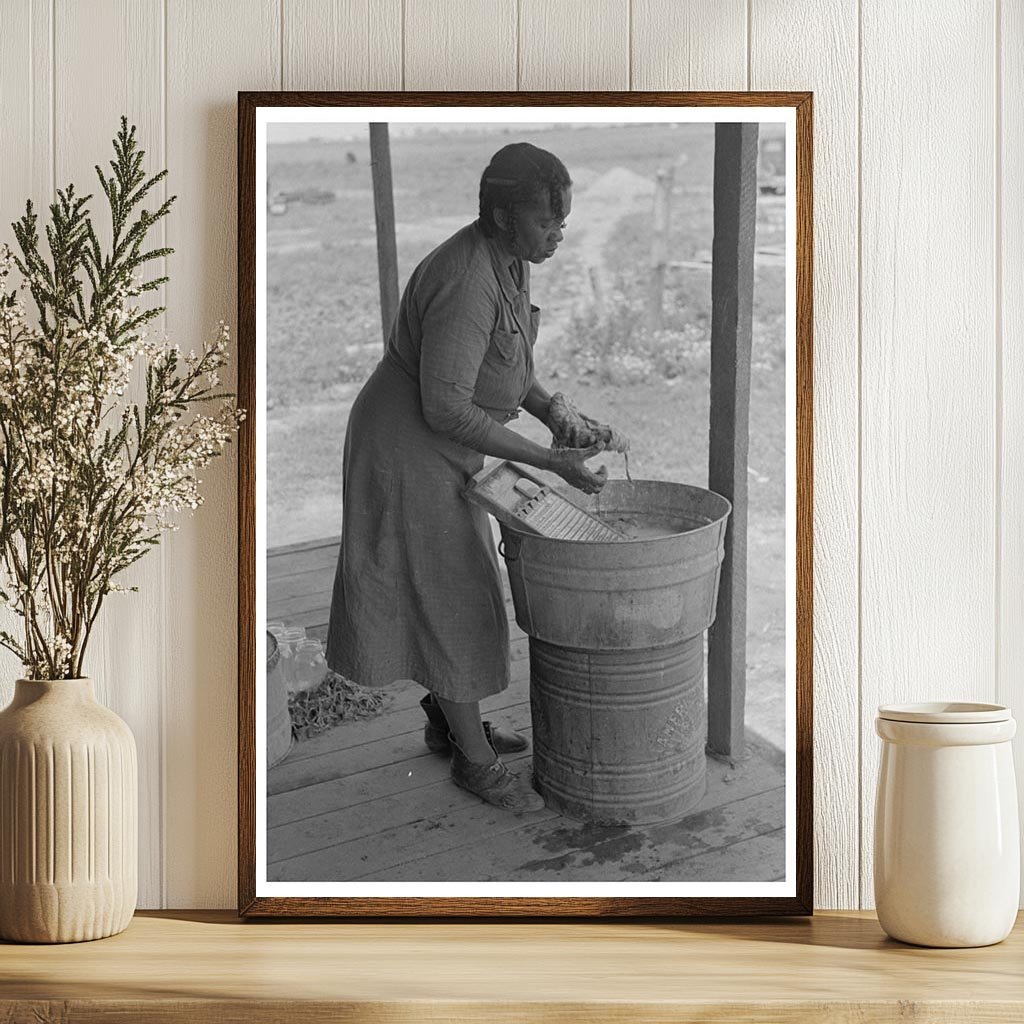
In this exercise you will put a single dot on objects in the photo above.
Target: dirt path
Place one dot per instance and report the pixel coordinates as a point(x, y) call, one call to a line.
point(599, 204)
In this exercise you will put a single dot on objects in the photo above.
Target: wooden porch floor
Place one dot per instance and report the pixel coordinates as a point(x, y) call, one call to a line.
point(366, 801)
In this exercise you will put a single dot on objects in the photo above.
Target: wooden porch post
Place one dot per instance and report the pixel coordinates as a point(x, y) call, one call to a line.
point(732, 286)
point(384, 213)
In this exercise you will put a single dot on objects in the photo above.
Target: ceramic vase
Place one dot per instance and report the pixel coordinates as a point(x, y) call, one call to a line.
point(68, 815)
point(947, 846)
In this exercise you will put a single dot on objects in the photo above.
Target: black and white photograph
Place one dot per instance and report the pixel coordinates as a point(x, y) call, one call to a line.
point(525, 481)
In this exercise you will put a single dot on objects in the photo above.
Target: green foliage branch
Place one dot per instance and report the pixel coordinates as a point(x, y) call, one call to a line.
point(89, 477)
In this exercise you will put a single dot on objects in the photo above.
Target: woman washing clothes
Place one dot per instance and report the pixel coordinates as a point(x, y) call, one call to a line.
point(417, 591)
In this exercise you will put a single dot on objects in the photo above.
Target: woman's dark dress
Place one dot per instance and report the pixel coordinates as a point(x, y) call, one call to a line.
point(417, 594)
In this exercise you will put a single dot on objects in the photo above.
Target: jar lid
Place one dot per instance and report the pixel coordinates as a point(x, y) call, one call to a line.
point(945, 712)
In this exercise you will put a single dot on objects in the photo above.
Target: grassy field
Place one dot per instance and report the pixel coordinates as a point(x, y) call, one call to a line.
point(322, 271)
point(323, 309)
point(324, 334)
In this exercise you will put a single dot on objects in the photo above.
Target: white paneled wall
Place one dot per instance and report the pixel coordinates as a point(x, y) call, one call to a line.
point(928, 415)
point(832, 73)
point(1009, 425)
point(130, 676)
point(919, 326)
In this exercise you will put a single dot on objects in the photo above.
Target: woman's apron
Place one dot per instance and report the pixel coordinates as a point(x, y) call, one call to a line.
point(417, 591)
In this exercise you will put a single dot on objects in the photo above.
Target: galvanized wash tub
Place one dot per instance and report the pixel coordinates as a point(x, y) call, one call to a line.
point(616, 651)
point(646, 592)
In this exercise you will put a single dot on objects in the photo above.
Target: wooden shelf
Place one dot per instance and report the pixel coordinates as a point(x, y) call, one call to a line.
point(199, 966)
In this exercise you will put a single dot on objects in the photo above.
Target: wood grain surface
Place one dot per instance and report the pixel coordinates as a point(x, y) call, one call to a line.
point(469, 45)
point(214, 44)
point(86, 121)
point(575, 44)
point(26, 127)
point(346, 44)
point(700, 44)
point(928, 523)
point(199, 967)
point(832, 75)
point(1010, 366)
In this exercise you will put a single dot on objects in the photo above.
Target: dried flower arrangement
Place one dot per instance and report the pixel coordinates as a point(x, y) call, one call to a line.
point(89, 478)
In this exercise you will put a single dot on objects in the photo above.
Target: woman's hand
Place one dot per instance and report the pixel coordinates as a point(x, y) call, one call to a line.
point(568, 463)
point(572, 429)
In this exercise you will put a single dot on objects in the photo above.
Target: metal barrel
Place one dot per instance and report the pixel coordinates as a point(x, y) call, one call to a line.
point(617, 652)
point(618, 736)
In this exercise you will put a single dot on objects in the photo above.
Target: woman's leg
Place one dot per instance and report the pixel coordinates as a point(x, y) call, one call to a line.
point(467, 729)
point(477, 768)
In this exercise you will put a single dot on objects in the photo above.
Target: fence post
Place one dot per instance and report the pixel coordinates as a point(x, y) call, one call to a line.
point(659, 247)
point(384, 214)
point(732, 287)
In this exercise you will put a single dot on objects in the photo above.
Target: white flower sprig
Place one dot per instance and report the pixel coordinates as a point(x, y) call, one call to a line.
point(88, 478)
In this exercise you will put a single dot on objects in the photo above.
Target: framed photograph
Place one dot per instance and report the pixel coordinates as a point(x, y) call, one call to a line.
point(525, 504)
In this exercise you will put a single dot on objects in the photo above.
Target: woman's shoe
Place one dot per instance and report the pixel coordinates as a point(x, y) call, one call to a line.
point(435, 732)
point(495, 783)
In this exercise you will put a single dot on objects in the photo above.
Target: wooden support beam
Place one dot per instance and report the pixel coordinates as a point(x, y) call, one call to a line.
point(384, 213)
point(732, 288)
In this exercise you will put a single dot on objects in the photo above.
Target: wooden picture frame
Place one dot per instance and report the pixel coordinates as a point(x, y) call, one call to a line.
point(732, 265)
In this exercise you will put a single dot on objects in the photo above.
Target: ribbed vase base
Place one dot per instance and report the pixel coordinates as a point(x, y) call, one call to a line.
point(46, 913)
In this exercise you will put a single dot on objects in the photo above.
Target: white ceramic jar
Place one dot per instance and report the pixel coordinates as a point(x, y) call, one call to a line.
point(947, 847)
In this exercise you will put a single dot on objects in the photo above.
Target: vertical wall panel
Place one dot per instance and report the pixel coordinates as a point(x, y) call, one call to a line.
point(1010, 215)
point(928, 513)
point(343, 44)
point(125, 653)
point(691, 44)
point(574, 44)
point(213, 51)
point(26, 103)
point(830, 70)
point(26, 169)
point(460, 44)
